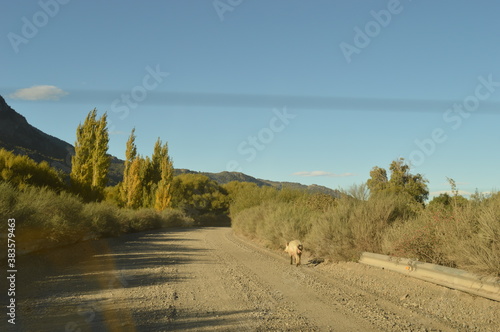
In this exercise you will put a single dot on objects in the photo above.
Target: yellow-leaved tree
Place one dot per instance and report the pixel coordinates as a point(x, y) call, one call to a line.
point(90, 164)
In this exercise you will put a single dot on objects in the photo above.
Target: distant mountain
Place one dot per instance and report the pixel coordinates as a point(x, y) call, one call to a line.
point(226, 177)
point(17, 135)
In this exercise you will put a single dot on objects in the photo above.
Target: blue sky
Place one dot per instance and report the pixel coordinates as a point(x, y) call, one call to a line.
point(312, 92)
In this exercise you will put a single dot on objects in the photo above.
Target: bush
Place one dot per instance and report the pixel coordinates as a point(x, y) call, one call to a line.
point(22, 171)
point(417, 239)
point(463, 233)
point(46, 219)
point(104, 220)
point(144, 219)
point(331, 234)
point(338, 229)
point(175, 218)
point(274, 223)
point(8, 201)
point(471, 236)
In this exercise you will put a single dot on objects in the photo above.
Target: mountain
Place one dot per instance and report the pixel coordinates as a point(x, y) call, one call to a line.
point(17, 135)
point(226, 177)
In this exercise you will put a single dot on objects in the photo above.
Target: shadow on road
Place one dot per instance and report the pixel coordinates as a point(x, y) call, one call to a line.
point(72, 287)
point(196, 320)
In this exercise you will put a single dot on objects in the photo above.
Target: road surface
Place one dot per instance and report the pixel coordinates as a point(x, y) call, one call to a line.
point(208, 279)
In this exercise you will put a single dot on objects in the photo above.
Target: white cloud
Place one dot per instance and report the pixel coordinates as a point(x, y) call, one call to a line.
point(39, 92)
point(322, 173)
point(460, 192)
point(456, 183)
point(449, 192)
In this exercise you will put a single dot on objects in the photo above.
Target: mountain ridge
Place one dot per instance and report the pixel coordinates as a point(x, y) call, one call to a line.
point(19, 136)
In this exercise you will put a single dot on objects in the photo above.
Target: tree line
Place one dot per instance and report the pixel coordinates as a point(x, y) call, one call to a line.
point(147, 181)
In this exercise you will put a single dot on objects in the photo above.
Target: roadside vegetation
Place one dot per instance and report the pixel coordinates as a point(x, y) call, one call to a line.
point(388, 214)
point(392, 219)
point(53, 209)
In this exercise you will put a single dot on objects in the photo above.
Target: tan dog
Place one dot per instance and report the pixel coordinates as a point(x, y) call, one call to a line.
point(294, 249)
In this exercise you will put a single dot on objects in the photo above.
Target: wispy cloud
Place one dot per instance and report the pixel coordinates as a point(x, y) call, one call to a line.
point(39, 92)
point(457, 183)
point(460, 192)
point(292, 101)
point(449, 192)
point(322, 173)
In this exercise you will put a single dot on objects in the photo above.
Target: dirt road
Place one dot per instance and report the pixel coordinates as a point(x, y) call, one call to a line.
point(211, 280)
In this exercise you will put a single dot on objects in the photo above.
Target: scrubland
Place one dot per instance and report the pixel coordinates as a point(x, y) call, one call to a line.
point(463, 234)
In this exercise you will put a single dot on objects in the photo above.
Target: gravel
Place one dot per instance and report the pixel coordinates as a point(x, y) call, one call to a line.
point(208, 279)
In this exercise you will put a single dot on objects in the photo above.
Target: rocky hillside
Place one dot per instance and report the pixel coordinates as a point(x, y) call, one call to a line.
point(17, 135)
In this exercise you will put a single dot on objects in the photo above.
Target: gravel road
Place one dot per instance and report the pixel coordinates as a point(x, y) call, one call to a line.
point(208, 279)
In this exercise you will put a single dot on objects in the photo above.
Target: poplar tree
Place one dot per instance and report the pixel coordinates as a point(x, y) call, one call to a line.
point(159, 153)
point(147, 182)
point(100, 158)
point(90, 163)
point(163, 195)
point(148, 185)
point(130, 156)
point(134, 185)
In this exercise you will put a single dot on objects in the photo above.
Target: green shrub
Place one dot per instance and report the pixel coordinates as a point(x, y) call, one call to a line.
point(45, 218)
point(8, 200)
point(22, 171)
point(175, 218)
point(103, 219)
point(144, 219)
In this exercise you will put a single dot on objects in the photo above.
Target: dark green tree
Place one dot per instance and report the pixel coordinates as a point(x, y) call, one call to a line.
point(400, 182)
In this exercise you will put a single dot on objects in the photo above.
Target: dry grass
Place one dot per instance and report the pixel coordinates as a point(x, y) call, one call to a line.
point(465, 236)
point(45, 218)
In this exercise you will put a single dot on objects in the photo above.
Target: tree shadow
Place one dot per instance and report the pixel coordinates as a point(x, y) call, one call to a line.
point(173, 320)
point(69, 284)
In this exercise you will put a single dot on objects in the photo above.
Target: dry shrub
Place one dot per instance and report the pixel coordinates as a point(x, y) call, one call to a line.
point(416, 238)
point(175, 218)
point(354, 226)
point(285, 222)
point(471, 236)
point(47, 219)
point(465, 235)
point(331, 234)
point(274, 223)
point(103, 219)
